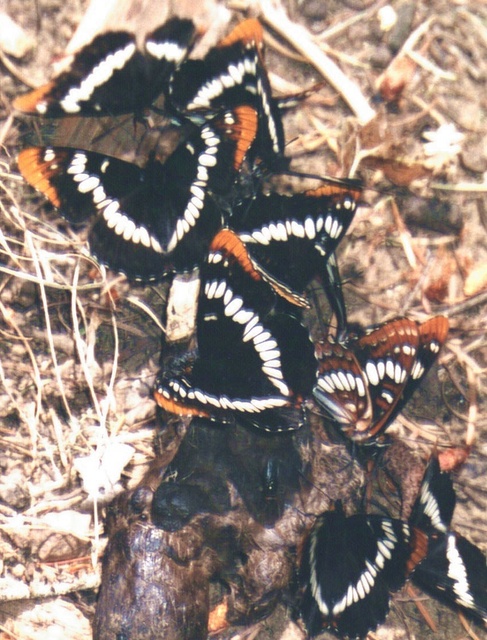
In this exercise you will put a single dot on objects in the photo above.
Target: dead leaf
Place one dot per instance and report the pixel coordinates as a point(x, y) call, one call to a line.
point(476, 280)
point(395, 78)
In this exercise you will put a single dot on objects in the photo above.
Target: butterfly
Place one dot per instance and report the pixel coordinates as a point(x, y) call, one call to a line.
point(454, 570)
point(348, 569)
point(292, 238)
point(350, 565)
point(255, 361)
point(363, 385)
point(147, 221)
point(111, 76)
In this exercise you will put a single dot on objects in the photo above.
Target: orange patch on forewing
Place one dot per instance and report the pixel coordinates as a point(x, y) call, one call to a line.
point(37, 172)
point(419, 549)
point(27, 103)
point(249, 31)
point(244, 134)
point(434, 329)
point(171, 406)
point(227, 242)
point(335, 189)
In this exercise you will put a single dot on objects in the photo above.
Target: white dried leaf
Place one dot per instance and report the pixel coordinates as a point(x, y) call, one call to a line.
point(387, 17)
point(100, 471)
point(444, 141)
point(69, 521)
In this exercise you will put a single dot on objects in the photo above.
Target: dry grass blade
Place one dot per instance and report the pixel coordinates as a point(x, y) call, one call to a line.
point(274, 15)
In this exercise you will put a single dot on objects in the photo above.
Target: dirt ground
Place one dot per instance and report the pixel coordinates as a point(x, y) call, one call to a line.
point(79, 347)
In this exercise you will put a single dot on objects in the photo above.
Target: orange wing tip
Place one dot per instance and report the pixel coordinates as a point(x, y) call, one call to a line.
point(246, 114)
point(226, 241)
point(27, 158)
point(171, 406)
point(436, 327)
point(242, 130)
point(37, 173)
point(217, 621)
point(34, 101)
point(249, 32)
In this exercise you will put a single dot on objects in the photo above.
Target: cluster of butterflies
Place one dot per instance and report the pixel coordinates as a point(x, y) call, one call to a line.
point(206, 207)
point(351, 564)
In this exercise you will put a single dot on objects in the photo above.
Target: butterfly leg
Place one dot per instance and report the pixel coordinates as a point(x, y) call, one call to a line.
point(333, 289)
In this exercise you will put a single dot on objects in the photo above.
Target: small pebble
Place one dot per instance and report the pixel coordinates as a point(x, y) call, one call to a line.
point(18, 571)
point(474, 155)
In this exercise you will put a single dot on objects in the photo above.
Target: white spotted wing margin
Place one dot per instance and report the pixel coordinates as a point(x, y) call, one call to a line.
point(364, 383)
point(111, 76)
point(133, 212)
point(255, 359)
point(349, 567)
point(341, 388)
point(454, 570)
point(435, 504)
point(291, 239)
point(145, 221)
point(386, 354)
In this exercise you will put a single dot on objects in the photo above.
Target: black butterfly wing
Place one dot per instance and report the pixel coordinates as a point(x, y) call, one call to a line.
point(349, 567)
point(291, 238)
point(199, 175)
point(232, 73)
point(86, 186)
point(449, 567)
point(165, 49)
point(111, 76)
point(455, 571)
point(253, 360)
point(435, 504)
point(255, 337)
point(151, 220)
